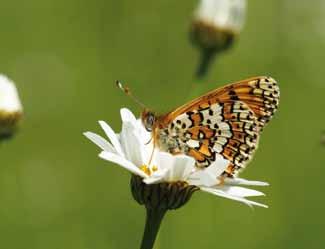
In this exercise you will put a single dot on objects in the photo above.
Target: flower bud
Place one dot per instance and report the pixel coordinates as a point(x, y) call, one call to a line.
point(10, 107)
point(215, 26)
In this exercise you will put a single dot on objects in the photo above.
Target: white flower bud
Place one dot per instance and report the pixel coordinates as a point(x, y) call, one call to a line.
point(215, 25)
point(10, 107)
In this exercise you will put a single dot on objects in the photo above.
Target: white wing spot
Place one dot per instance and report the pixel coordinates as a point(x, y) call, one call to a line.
point(217, 148)
point(193, 143)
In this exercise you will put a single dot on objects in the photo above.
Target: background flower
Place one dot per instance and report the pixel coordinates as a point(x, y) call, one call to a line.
point(215, 26)
point(10, 107)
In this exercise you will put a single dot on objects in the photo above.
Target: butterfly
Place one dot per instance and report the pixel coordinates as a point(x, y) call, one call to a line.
point(227, 121)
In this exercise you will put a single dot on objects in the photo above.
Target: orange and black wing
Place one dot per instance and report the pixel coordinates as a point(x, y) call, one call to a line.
point(226, 121)
point(260, 94)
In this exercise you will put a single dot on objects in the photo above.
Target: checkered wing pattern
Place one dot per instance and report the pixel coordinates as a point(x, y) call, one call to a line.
point(227, 121)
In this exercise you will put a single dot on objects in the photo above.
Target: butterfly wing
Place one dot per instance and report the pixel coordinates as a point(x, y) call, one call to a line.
point(226, 121)
point(260, 94)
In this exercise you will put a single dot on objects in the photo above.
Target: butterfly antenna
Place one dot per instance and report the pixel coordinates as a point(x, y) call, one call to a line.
point(127, 91)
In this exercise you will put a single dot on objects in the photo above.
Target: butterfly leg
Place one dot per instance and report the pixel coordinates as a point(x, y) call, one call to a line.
point(152, 154)
point(221, 180)
point(148, 141)
point(174, 152)
point(228, 173)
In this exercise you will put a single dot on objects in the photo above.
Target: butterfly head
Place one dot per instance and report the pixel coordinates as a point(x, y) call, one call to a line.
point(148, 119)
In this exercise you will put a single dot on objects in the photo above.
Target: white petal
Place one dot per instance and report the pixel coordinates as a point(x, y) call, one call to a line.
point(202, 178)
point(142, 132)
point(241, 181)
point(218, 166)
point(145, 140)
point(148, 152)
point(132, 145)
point(122, 162)
point(164, 160)
point(236, 198)
point(224, 14)
point(112, 137)
point(179, 167)
point(99, 141)
point(9, 98)
point(156, 177)
point(143, 137)
point(209, 176)
point(239, 191)
point(127, 116)
point(183, 167)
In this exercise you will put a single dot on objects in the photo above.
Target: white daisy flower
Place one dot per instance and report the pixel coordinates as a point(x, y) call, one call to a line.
point(132, 149)
point(10, 107)
point(215, 26)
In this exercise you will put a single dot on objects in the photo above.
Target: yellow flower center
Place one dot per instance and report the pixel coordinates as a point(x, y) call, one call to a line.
point(147, 170)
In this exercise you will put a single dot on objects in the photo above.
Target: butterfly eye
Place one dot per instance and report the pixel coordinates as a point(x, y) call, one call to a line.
point(150, 120)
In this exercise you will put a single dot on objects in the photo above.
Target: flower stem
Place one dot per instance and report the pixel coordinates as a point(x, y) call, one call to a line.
point(206, 60)
point(153, 221)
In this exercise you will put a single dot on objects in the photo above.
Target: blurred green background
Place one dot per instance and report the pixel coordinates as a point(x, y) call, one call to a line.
point(55, 192)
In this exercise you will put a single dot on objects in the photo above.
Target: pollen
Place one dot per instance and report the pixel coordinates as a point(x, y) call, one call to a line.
point(154, 168)
point(145, 169)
